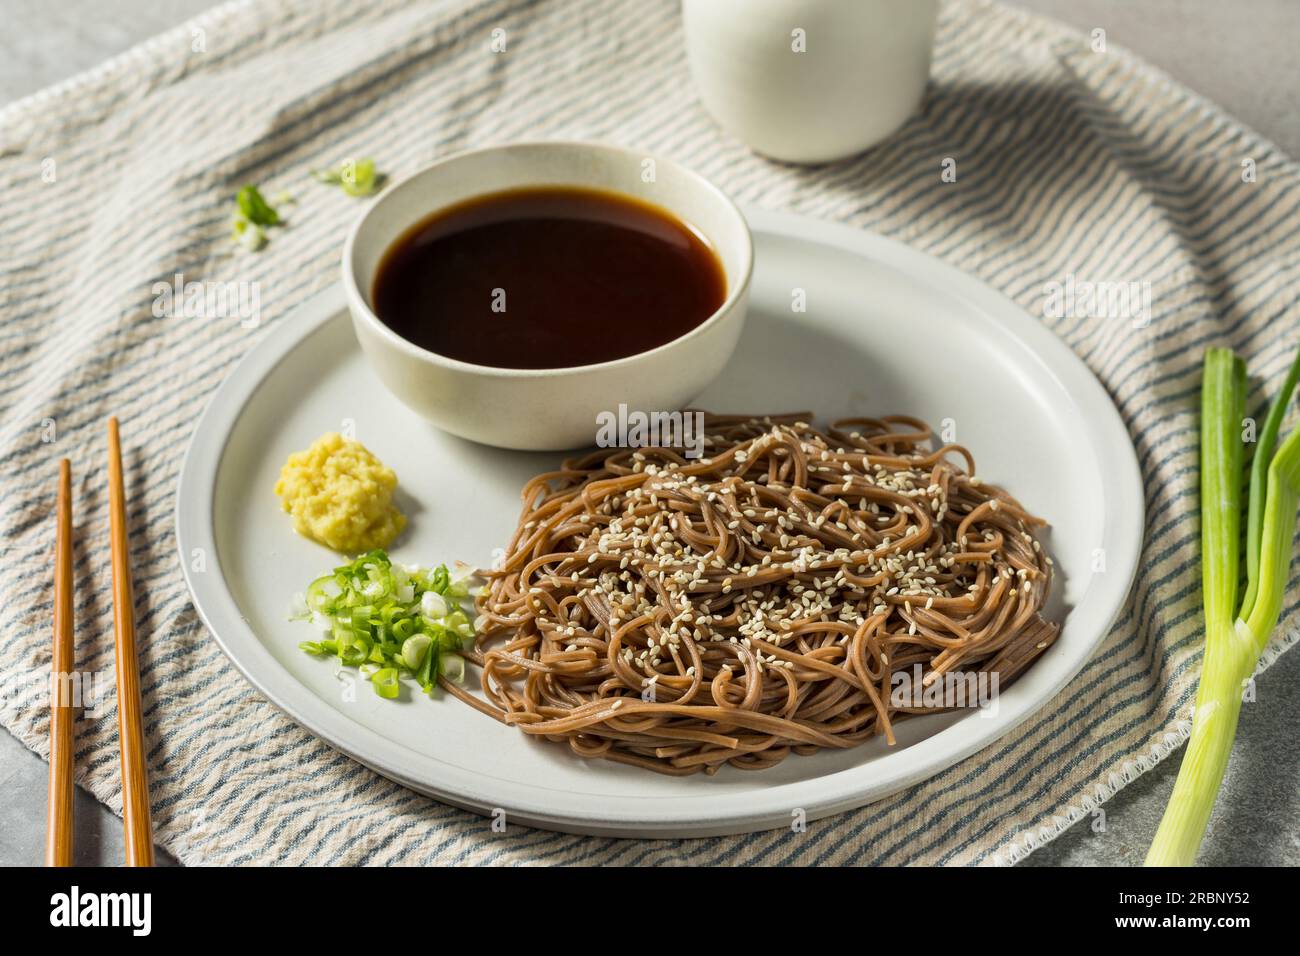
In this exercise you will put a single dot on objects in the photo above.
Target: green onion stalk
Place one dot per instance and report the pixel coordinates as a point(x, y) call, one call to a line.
point(1235, 634)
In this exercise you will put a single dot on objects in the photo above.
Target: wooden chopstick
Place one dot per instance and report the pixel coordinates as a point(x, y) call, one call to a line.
point(130, 728)
point(58, 822)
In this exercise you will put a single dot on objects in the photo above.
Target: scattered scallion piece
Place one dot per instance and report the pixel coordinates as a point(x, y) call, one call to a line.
point(248, 234)
point(389, 620)
point(1235, 635)
point(356, 177)
point(252, 217)
point(255, 208)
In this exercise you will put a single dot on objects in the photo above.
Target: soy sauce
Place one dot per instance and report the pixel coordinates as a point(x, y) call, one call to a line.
point(547, 278)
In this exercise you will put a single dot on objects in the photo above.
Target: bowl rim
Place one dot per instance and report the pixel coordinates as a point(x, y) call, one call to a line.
point(736, 291)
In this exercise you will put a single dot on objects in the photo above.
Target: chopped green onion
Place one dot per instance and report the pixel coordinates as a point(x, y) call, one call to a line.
point(386, 682)
point(1235, 636)
point(253, 214)
point(255, 207)
point(427, 675)
point(356, 177)
point(389, 620)
point(248, 234)
point(453, 665)
point(414, 649)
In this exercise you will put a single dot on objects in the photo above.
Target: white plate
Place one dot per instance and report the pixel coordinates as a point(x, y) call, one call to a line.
point(887, 329)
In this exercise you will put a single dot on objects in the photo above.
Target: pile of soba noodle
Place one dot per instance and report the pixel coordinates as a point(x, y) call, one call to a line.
point(681, 614)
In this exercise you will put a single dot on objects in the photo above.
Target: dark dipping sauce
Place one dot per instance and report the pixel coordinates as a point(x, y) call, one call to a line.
point(584, 276)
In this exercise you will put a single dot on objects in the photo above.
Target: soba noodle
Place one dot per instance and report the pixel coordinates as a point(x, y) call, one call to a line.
point(682, 614)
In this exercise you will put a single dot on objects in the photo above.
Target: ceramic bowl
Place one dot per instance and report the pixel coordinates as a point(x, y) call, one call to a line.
point(547, 409)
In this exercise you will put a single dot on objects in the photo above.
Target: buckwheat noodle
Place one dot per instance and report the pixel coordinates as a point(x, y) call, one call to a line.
point(680, 614)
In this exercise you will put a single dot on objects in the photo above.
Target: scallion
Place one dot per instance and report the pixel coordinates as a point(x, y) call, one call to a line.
point(389, 620)
point(1235, 635)
point(255, 208)
point(253, 215)
point(356, 177)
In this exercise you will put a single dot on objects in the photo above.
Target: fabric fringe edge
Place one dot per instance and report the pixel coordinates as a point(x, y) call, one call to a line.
point(1027, 841)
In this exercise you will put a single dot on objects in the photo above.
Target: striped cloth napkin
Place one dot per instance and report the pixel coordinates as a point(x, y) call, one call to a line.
point(1073, 165)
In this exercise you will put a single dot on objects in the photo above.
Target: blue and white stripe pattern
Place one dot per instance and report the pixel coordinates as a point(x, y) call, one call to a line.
point(1070, 162)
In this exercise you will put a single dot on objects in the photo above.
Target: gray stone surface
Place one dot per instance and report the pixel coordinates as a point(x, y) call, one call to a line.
point(1257, 818)
point(1240, 55)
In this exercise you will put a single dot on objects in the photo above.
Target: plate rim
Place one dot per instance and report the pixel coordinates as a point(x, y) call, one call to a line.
point(1122, 534)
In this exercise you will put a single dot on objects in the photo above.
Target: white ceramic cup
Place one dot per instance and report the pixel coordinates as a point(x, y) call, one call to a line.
point(547, 409)
point(810, 81)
